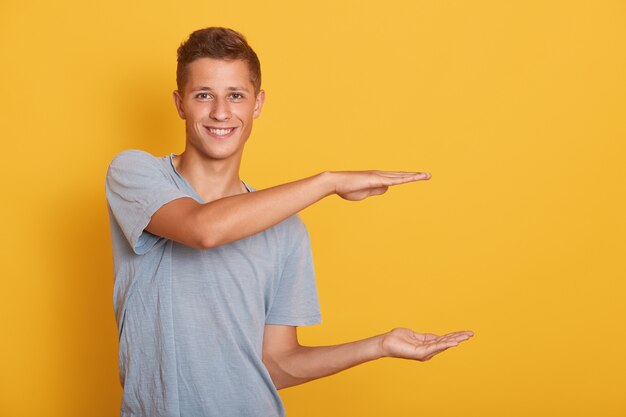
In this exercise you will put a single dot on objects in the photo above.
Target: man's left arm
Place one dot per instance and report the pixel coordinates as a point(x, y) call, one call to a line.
point(290, 363)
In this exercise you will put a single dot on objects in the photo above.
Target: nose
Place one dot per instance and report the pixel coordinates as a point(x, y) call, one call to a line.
point(220, 110)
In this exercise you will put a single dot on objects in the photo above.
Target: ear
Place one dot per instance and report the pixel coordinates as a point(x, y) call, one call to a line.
point(258, 105)
point(178, 102)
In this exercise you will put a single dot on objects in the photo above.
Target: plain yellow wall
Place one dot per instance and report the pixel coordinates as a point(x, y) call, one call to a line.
point(517, 108)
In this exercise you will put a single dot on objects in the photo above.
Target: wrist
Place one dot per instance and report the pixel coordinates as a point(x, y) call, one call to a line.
point(379, 346)
point(326, 181)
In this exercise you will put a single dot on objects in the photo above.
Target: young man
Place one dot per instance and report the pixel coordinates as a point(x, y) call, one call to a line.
point(212, 278)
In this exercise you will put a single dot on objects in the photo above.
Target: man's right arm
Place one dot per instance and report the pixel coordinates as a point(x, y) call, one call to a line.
point(232, 218)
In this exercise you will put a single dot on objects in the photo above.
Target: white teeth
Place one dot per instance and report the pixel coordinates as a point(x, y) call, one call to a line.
point(220, 132)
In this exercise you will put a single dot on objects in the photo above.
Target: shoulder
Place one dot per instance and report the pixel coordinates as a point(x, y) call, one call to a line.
point(132, 157)
point(135, 162)
point(137, 169)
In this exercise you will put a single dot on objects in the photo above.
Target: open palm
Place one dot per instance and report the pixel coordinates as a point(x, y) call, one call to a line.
point(407, 344)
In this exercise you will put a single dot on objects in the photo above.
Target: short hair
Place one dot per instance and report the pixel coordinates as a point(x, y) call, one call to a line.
point(217, 43)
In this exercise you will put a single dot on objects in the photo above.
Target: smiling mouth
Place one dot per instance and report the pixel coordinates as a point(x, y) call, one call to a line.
point(220, 132)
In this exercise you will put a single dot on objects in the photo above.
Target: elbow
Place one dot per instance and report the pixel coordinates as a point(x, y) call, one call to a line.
point(278, 376)
point(206, 233)
point(210, 238)
point(283, 369)
point(206, 239)
point(204, 242)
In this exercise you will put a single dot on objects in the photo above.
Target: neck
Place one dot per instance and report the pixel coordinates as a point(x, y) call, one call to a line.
point(212, 179)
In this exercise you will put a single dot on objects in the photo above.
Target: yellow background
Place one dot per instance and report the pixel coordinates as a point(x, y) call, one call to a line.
point(517, 108)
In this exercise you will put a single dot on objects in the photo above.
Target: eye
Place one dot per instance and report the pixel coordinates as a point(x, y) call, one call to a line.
point(202, 96)
point(236, 96)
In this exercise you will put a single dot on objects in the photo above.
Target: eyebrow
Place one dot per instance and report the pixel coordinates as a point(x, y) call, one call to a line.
point(234, 88)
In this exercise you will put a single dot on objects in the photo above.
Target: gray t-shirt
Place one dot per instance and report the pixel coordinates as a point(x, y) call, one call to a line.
point(191, 321)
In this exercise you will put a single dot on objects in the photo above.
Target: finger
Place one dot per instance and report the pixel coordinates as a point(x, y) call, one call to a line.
point(433, 349)
point(463, 333)
point(397, 173)
point(453, 338)
point(440, 346)
point(439, 343)
point(420, 175)
point(459, 335)
point(401, 180)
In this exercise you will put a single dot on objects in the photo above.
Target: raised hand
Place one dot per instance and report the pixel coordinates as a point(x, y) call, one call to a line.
point(358, 185)
point(406, 344)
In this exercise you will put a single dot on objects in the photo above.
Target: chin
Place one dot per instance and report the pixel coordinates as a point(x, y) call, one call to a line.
point(220, 156)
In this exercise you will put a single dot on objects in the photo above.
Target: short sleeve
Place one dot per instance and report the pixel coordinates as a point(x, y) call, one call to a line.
point(136, 187)
point(296, 302)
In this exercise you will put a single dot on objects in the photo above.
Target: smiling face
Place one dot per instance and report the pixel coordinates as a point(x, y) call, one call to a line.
point(218, 105)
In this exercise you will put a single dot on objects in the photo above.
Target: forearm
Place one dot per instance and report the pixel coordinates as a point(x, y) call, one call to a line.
point(304, 363)
point(232, 218)
point(291, 364)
